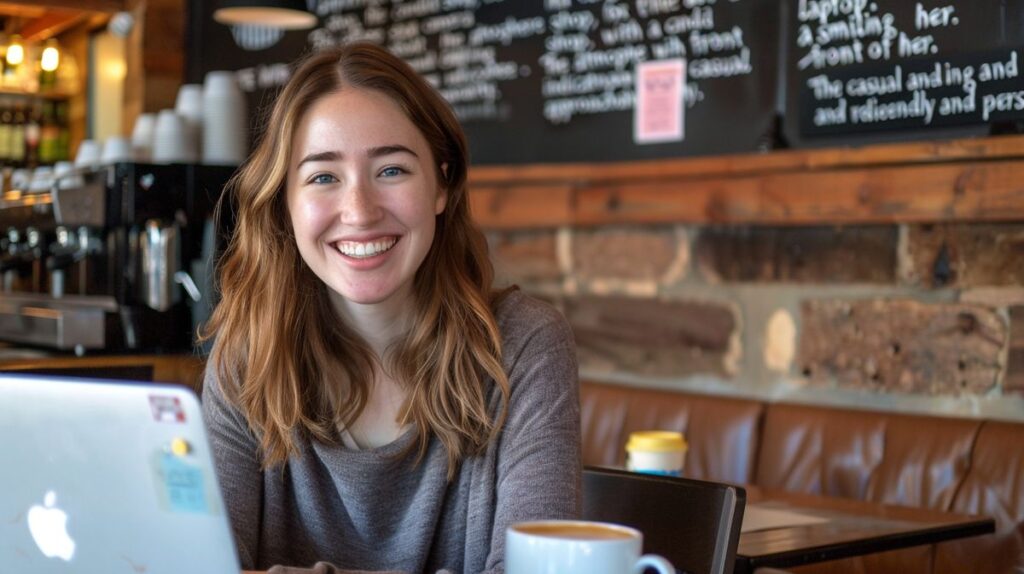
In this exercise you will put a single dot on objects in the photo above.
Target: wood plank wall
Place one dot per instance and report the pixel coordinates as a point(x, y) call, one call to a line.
point(156, 57)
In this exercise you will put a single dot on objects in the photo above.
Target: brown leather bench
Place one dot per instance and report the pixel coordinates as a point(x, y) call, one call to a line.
point(968, 466)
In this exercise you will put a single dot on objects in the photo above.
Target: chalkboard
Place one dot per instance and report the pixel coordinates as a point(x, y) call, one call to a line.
point(547, 81)
point(869, 70)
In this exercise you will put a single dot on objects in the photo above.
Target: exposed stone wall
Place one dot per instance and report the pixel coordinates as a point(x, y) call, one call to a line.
point(886, 314)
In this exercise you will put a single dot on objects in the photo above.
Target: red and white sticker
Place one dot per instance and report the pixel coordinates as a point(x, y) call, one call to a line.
point(167, 409)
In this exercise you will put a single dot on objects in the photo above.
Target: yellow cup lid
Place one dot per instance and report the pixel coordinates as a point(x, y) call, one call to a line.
point(656, 441)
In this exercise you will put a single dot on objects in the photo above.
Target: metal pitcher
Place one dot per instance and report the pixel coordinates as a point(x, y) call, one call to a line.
point(160, 243)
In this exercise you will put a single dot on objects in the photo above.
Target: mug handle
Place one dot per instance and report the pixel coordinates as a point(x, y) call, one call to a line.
point(653, 561)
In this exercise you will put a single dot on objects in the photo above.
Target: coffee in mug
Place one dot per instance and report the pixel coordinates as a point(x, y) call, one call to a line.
point(656, 452)
point(577, 547)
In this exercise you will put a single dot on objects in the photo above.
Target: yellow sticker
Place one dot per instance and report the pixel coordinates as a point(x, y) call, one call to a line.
point(180, 447)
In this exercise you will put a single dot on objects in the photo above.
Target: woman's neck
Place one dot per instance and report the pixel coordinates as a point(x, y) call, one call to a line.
point(379, 324)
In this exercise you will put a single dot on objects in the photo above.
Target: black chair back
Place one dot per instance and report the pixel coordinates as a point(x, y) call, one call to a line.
point(695, 524)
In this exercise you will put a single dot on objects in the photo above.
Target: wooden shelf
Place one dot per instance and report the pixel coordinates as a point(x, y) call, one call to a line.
point(961, 180)
point(47, 95)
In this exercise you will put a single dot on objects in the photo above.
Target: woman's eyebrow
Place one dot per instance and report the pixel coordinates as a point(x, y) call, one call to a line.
point(388, 150)
point(373, 152)
point(320, 156)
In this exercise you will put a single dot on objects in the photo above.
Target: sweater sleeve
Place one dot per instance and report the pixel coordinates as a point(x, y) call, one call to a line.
point(325, 568)
point(538, 466)
point(236, 456)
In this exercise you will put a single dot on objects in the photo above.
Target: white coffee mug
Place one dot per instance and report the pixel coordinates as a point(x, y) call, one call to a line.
point(88, 154)
point(116, 149)
point(66, 176)
point(171, 140)
point(142, 137)
point(578, 547)
point(20, 179)
point(42, 179)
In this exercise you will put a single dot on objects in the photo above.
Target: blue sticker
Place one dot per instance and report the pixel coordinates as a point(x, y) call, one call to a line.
point(660, 472)
point(185, 487)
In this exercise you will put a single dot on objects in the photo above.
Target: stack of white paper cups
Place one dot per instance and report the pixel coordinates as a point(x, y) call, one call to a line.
point(171, 143)
point(189, 105)
point(142, 137)
point(225, 120)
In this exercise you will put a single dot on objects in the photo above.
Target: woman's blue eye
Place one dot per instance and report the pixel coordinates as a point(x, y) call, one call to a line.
point(322, 178)
point(392, 171)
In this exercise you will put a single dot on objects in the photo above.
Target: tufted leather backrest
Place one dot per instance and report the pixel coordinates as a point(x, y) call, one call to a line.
point(723, 433)
point(994, 486)
point(888, 458)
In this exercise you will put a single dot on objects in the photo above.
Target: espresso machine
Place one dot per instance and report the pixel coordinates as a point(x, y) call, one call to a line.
point(115, 259)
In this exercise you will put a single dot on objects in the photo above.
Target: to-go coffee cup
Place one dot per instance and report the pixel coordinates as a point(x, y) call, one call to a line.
point(578, 547)
point(656, 452)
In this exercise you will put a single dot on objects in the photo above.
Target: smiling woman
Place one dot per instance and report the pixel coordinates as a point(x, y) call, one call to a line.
point(373, 404)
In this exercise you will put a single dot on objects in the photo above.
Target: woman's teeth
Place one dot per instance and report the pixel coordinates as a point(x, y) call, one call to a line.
point(367, 249)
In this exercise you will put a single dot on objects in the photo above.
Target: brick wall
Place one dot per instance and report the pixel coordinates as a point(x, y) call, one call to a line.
point(915, 317)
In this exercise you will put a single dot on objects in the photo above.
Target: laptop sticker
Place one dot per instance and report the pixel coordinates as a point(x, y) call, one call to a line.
point(181, 483)
point(167, 409)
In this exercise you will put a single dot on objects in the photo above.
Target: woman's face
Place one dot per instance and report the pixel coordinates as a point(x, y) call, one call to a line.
point(362, 194)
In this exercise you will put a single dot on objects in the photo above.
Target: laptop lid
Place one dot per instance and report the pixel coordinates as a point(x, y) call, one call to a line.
point(107, 476)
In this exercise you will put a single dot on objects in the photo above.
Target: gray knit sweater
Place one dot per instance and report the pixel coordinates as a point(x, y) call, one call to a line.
point(365, 510)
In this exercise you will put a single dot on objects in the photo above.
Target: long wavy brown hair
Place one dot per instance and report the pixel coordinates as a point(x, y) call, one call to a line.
point(282, 353)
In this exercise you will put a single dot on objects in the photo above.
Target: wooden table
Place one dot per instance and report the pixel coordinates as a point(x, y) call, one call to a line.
point(854, 528)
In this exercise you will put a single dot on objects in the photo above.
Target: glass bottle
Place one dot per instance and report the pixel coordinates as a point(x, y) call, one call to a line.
point(49, 133)
point(33, 132)
point(17, 139)
point(6, 119)
point(63, 145)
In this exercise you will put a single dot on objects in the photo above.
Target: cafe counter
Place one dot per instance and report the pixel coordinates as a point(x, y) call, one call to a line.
point(177, 369)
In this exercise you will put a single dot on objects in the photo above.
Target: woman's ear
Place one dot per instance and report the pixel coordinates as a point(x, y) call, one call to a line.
point(442, 195)
point(441, 201)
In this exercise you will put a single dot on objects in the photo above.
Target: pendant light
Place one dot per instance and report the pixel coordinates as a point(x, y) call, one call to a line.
point(51, 56)
point(285, 14)
point(15, 52)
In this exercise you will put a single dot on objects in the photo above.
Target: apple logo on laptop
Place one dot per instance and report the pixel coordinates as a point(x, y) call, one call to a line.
point(48, 525)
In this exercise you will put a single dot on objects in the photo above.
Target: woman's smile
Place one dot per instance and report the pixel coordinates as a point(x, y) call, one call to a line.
point(366, 249)
point(366, 256)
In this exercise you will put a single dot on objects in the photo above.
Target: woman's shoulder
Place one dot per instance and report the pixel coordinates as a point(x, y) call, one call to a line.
point(522, 317)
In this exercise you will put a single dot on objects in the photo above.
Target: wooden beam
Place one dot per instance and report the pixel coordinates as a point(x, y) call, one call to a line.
point(1003, 147)
point(50, 24)
point(106, 6)
point(29, 10)
point(523, 206)
point(937, 192)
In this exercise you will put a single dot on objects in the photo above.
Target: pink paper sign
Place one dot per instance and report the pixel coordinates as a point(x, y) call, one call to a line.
point(658, 113)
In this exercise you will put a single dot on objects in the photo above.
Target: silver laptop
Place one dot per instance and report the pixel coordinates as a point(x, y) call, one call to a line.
point(107, 477)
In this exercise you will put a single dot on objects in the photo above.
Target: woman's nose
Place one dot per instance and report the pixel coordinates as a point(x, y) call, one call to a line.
point(360, 206)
